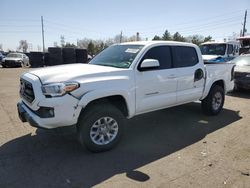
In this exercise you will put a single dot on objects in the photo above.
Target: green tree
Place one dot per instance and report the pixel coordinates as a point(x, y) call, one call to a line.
point(196, 39)
point(166, 36)
point(208, 38)
point(69, 45)
point(91, 48)
point(156, 37)
point(177, 37)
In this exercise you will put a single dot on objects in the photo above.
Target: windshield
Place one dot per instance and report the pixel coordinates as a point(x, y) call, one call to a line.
point(119, 56)
point(242, 61)
point(213, 49)
point(14, 55)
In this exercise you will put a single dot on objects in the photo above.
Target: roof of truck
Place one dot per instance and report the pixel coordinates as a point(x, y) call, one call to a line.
point(148, 43)
point(220, 42)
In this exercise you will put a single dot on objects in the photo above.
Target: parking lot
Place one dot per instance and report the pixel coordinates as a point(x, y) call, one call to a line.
point(176, 147)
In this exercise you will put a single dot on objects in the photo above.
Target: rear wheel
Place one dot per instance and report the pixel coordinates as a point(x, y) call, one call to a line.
point(213, 103)
point(100, 127)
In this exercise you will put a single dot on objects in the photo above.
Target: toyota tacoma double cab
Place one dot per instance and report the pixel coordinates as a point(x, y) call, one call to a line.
point(121, 82)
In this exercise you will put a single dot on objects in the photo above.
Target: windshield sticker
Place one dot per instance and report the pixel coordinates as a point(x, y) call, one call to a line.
point(132, 50)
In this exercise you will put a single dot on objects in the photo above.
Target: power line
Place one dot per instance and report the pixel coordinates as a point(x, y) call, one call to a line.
point(68, 26)
point(20, 26)
point(181, 27)
point(20, 31)
point(210, 19)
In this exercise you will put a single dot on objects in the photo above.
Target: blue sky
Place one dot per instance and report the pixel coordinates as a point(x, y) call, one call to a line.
point(78, 19)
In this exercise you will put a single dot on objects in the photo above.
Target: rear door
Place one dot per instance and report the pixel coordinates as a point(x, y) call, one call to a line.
point(156, 88)
point(190, 74)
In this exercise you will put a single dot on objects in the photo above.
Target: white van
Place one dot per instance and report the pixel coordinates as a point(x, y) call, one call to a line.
point(219, 51)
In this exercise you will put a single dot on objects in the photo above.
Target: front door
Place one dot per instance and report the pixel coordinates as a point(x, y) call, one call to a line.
point(156, 88)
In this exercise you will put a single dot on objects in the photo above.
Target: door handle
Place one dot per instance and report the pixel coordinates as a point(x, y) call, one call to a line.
point(172, 76)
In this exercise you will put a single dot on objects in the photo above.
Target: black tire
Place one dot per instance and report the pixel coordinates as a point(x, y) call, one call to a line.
point(90, 117)
point(208, 105)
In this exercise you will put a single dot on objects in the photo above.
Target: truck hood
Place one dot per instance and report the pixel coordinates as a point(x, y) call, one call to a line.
point(72, 72)
point(242, 69)
point(12, 58)
point(209, 57)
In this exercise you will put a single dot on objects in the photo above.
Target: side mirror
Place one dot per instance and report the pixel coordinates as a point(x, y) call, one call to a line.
point(149, 64)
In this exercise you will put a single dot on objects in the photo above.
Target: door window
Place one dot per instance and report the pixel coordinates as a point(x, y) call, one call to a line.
point(230, 49)
point(162, 54)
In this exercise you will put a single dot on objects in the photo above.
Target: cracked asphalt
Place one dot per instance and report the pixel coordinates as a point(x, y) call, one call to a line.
point(175, 147)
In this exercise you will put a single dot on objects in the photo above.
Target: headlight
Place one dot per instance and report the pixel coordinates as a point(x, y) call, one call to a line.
point(59, 89)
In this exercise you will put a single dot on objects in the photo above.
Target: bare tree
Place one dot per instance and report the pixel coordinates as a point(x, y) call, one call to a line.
point(62, 40)
point(23, 45)
point(39, 48)
point(55, 44)
point(83, 43)
point(1, 47)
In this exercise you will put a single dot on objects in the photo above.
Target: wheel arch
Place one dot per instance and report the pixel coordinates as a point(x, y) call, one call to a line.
point(209, 86)
point(118, 101)
point(220, 83)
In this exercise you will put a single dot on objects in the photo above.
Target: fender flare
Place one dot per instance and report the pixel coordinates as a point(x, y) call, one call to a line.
point(99, 94)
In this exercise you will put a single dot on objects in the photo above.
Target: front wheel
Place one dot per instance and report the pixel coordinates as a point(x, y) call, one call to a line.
point(100, 127)
point(24, 64)
point(213, 103)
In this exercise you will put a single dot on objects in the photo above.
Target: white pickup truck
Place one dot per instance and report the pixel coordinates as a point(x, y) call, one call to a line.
point(121, 82)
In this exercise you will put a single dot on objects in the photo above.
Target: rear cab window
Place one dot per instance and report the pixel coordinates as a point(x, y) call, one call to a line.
point(184, 56)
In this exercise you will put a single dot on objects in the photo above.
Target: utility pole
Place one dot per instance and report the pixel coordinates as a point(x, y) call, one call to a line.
point(42, 34)
point(244, 25)
point(121, 37)
point(137, 36)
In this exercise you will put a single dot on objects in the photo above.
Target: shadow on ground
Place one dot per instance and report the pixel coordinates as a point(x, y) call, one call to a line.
point(55, 160)
point(242, 93)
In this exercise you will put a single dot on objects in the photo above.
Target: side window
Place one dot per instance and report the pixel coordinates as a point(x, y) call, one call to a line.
point(236, 49)
point(162, 54)
point(230, 49)
point(184, 56)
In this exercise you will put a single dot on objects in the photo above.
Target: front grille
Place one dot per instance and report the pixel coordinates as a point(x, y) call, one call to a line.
point(241, 75)
point(10, 61)
point(26, 91)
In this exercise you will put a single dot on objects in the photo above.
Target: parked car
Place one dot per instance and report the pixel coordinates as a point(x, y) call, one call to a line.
point(1, 57)
point(121, 82)
point(219, 52)
point(242, 72)
point(15, 60)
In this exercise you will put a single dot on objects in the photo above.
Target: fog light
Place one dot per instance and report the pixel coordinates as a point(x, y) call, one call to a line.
point(45, 112)
point(51, 112)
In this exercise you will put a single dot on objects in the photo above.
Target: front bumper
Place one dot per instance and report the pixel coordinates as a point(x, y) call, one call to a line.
point(64, 115)
point(24, 116)
point(11, 63)
point(242, 83)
